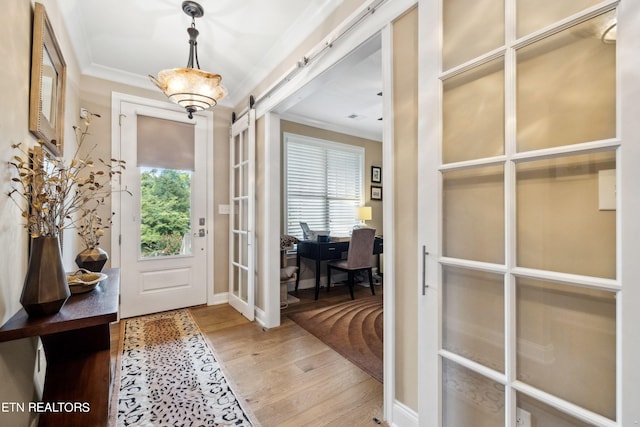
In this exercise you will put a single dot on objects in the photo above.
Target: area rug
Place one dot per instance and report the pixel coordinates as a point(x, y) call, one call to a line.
point(168, 376)
point(353, 329)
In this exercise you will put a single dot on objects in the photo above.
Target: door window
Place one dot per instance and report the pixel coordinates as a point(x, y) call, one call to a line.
point(165, 212)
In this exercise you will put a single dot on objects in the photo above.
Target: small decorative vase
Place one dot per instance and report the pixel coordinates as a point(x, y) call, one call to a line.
point(45, 287)
point(92, 259)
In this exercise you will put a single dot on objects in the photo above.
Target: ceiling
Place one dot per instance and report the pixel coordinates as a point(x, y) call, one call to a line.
point(125, 40)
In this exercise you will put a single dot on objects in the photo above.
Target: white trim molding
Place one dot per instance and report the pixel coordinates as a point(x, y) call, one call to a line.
point(276, 102)
point(219, 298)
point(403, 416)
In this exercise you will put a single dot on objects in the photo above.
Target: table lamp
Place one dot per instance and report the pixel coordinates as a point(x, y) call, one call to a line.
point(363, 213)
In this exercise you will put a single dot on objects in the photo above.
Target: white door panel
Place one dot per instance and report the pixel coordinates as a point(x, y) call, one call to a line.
point(521, 310)
point(242, 220)
point(170, 271)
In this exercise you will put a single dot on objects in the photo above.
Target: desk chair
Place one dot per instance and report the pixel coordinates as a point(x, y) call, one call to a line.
point(358, 258)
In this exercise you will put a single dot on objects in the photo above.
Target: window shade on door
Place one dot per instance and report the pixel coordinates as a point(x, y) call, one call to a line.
point(324, 185)
point(165, 144)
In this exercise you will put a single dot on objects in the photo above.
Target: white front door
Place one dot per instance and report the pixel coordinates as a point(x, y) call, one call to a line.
point(242, 222)
point(163, 210)
point(523, 203)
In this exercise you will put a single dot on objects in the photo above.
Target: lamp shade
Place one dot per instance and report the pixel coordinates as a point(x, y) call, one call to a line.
point(363, 213)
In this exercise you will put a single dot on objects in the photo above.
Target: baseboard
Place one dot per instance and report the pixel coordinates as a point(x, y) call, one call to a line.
point(221, 298)
point(403, 416)
point(335, 278)
point(304, 284)
point(261, 317)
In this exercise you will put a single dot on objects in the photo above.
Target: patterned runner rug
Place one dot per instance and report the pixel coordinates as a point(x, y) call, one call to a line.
point(170, 377)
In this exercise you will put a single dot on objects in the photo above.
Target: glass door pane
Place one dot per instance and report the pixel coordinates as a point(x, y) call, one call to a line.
point(561, 225)
point(546, 415)
point(474, 324)
point(567, 343)
point(471, 28)
point(473, 114)
point(469, 399)
point(536, 14)
point(566, 88)
point(473, 214)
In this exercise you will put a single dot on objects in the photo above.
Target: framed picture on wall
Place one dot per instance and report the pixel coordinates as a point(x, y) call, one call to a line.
point(376, 174)
point(376, 192)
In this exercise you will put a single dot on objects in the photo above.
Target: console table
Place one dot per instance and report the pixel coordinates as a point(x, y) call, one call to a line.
point(76, 342)
point(323, 251)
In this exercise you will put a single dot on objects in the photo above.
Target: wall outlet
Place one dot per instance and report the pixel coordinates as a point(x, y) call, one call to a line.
point(39, 370)
point(523, 418)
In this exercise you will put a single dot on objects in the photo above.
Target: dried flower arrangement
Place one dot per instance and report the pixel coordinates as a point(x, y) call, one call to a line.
point(91, 226)
point(54, 193)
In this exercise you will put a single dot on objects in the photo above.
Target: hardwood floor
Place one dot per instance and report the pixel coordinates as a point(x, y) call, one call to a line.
point(285, 376)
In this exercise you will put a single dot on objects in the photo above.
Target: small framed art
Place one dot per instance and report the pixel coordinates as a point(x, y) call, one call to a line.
point(376, 192)
point(376, 174)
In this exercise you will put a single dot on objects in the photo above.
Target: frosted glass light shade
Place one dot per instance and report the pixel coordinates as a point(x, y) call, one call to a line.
point(191, 88)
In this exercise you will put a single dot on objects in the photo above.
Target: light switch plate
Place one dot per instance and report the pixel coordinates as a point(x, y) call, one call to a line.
point(523, 418)
point(224, 209)
point(607, 190)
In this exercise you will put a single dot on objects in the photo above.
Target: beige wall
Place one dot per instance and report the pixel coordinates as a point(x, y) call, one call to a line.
point(405, 104)
point(96, 97)
point(17, 357)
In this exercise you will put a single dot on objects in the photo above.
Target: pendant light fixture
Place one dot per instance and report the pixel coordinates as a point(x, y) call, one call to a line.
point(190, 87)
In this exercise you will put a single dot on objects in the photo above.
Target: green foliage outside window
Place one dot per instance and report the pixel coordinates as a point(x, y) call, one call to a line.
point(166, 211)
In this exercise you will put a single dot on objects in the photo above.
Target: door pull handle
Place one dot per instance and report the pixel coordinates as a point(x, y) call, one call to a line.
point(424, 270)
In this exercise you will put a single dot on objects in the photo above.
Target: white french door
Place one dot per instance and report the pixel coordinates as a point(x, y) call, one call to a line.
point(163, 215)
point(524, 286)
point(242, 221)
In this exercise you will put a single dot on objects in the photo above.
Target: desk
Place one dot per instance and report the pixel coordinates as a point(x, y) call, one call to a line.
point(76, 341)
point(324, 251)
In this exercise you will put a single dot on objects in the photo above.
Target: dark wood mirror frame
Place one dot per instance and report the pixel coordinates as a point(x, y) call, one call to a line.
point(48, 77)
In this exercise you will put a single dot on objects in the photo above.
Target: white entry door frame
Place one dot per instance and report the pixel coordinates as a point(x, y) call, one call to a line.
point(200, 289)
point(278, 99)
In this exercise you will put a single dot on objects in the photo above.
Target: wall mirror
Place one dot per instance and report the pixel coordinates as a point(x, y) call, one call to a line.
point(48, 73)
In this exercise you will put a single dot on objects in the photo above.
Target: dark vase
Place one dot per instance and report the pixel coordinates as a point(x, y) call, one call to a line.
point(92, 259)
point(45, 287)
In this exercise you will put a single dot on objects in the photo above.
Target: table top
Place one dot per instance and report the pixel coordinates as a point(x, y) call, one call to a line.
point(93, 308)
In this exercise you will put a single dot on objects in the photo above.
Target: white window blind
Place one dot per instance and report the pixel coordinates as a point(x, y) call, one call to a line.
point(324, 184)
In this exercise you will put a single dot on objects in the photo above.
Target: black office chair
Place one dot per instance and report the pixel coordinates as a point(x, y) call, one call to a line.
point(358, 258)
